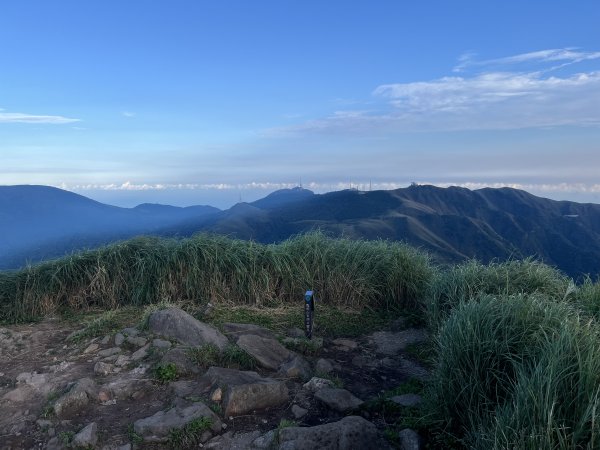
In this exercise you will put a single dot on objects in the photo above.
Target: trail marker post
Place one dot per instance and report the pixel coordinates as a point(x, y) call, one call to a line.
point(309, 312)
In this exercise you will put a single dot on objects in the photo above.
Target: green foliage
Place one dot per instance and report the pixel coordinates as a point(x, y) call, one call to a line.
point(587, 298)
point(102, 324)
point(518, 372)
point(134, 438)
point(190, 434)
point(232, 357)
point(205, 355)
point(142, 271)
point(166, 373)
point(66, 437)
point(468, 281)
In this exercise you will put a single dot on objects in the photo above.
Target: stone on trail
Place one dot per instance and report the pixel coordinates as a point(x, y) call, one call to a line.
point(297, 367)
point(102, 368)
point(269, 353)
point(76, 399)
point(157, 427)
point(235, 330)
point(229, 441)
point(299, 412)
point(323, 366)
point(315, 384)
point(109, 351)
point(350, 433)
point(388, 343)
point(345, 344)
point(177, 324)
point(88, 437)
point(339, 400)
point(179, 357)
point(244, 391)
point(409, 439)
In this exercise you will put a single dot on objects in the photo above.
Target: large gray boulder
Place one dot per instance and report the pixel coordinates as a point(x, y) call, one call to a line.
point(177, 324)
point(350, 433)
point(242, 392)
point(269, 353)
point(156, 428)
point(339, 400)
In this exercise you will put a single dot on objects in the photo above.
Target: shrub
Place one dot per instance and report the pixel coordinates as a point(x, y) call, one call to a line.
point(142, 271)
point(518, 372)
point(472, 279)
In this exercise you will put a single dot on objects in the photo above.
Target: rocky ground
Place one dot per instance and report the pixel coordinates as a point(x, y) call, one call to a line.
point(181, 383)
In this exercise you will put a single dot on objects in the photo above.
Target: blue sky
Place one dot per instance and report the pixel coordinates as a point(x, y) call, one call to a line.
point(189, 102)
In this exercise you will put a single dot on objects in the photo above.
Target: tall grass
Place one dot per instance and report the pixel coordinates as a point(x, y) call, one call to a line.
point(469, 280)
point(518, 371)
point(219, 269)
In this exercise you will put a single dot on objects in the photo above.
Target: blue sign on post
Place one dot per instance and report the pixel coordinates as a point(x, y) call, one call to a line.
point(309, 311)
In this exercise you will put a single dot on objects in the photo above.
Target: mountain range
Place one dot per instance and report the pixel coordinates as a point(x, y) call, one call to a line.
point(453, 224)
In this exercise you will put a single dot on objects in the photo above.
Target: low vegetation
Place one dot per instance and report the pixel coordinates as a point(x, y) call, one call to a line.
point(515, 355)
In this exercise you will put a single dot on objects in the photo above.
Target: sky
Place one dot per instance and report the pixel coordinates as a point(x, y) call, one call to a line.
point(212, 102)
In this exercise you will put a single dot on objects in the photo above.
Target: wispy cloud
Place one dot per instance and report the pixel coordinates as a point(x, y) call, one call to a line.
point(561, 55)
point(488, 100)
point(127, 114)
point(7, 117)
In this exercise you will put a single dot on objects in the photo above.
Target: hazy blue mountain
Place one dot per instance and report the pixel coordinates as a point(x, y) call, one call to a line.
point(37, 222)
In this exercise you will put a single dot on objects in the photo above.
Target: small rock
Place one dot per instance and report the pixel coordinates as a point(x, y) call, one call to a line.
point(323, 366)
point(109, 351)
point(350, 433)
point(88, 437)
point(177, 324)
point(298, 412)
point(77, 398)
point(265, 442)
point(235, 330)
point(157, 427)
point(339, 400)
point(345, 344)
point(296, 368)
point(119, 339)
point(295, 333)
point(269, 353)
point(141, 353)
point(408, 400)
point(409, 439)
point(217, 395)
point(130, 331)
point(105, 340)
point(388, 343)
point(122, 360)
point(138, 341)
point(102, 368)
point(161, 343)
point(91, 348)
point(315, 384)
point(179, 356)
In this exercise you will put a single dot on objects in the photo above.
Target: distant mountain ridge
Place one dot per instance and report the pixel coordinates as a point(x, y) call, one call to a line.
point(451, 223)
point(39, 222)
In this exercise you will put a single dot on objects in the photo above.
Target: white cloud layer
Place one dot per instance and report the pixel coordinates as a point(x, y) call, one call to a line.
point(335, 186)
point(6, 117)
